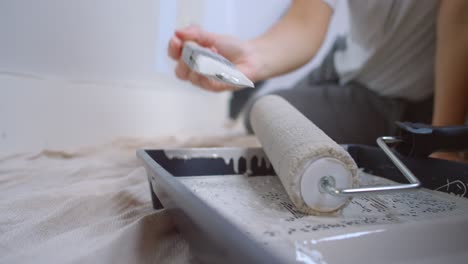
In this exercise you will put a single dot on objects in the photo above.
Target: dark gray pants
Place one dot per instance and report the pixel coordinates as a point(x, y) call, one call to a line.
point(351, 113)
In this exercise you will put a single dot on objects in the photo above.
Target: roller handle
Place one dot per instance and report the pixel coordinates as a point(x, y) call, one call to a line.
point(420, 140)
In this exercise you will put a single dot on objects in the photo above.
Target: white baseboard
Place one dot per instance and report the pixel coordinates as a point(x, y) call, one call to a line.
point(45, 113)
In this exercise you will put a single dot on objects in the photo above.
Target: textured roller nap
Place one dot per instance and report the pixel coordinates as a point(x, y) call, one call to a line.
point(301, 154)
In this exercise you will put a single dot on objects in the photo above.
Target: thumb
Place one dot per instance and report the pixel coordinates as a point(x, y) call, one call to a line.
point(196, 34)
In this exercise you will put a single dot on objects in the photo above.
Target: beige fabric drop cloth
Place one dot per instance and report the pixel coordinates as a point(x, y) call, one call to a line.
point(91, 205)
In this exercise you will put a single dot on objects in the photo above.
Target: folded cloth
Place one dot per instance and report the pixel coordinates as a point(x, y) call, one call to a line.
point(92, 205)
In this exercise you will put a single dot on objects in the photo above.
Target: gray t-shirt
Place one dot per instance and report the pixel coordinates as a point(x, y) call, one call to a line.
point(390, 47)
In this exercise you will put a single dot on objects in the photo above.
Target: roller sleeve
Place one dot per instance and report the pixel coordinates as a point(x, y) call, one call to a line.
point(301, 154)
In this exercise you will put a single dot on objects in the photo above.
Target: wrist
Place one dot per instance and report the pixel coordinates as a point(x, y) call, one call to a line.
point(260, 63)
point(450, 120)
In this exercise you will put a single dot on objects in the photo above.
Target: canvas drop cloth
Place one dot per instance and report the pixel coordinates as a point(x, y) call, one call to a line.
point(90, 205)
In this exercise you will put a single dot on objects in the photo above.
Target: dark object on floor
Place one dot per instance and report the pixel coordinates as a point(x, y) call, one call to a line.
point(421, 140)
point(239, 99)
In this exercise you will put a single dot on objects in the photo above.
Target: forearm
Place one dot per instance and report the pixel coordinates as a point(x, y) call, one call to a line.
point(451, 69)
point(294, 40)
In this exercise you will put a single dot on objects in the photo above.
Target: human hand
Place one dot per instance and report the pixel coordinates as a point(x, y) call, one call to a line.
point(240, 53)
point(453, 156)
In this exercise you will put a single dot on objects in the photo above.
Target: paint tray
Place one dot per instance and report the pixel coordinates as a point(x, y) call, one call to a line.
point(231, 208)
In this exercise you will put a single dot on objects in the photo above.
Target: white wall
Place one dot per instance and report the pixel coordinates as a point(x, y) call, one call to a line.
point(38, 114)
point(114, 39)
point(81, 72)
point(86, 39)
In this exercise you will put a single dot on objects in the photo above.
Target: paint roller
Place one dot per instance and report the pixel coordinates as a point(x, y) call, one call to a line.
point(302, 155)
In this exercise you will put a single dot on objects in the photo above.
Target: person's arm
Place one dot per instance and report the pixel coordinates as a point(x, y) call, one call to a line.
point(451, 67)
point(294, 40)
point(289, 44)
